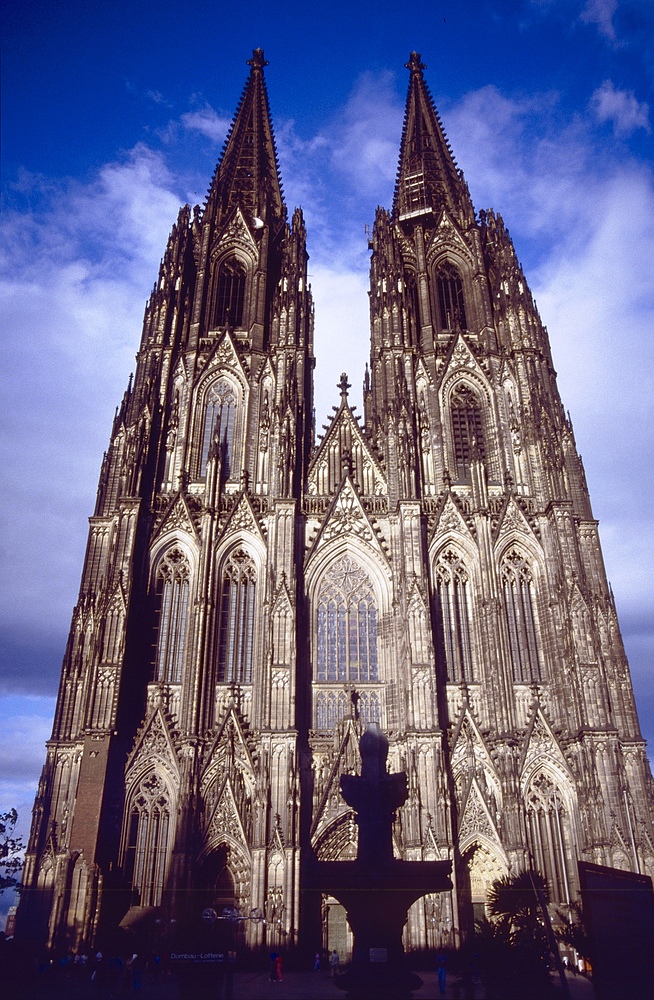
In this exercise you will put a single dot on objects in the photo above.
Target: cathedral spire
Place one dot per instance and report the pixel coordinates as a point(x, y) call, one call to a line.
point(248, 172)
point(427, 175)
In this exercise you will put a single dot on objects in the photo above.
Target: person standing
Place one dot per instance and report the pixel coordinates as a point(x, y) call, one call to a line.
point(316, 962)
point(441, 968)
point(334, 962)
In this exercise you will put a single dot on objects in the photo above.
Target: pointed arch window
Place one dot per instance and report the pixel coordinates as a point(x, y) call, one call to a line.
point(520, 611)
point(347, 625)
point(548, 834)
point(171, 616)
point(467, 428)
point(455, 618)
point(146, 844)
point(451, 304)
point(237, 620)
point(219, 421)
point(230, 294)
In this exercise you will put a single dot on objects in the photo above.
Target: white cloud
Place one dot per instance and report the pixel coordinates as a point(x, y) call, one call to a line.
point(208, 122)
point(342, 335)
point(76, 274)
point(620, 107)
point(365, 139)
point(26, 725)
point(599, 303)
point(600, 12)
point(520, 158)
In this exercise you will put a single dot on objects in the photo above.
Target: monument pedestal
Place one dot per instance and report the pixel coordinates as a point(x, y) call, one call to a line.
point(377, 901)
point(377, 890)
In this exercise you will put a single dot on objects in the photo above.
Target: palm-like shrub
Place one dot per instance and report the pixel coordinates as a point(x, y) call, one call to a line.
point(512, 947)
point(516, 898)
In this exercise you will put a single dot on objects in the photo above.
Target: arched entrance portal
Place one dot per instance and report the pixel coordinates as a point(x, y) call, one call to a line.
point(217, 880)
point(484, 866)
point(218, 892)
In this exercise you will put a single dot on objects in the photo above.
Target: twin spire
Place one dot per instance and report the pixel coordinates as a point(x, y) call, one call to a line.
point(248, 173)
point(427, 175)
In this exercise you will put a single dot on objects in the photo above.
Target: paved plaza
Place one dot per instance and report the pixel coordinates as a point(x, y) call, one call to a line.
point(257, 986)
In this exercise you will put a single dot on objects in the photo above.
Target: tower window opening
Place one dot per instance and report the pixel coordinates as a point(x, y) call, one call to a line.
point(347, 625)
point(519, 607)
point(454, 615)
point(219, 420)
point(451, 303)
point(236, 620)
point(230, 296)
point(171, 617)
point(415, 192)
point(467, 428)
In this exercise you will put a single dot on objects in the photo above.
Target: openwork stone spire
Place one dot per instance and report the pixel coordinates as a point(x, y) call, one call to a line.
point(248, 173)
point(427, 175)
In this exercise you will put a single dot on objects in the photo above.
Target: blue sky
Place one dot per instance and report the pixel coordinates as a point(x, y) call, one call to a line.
point(114, 115)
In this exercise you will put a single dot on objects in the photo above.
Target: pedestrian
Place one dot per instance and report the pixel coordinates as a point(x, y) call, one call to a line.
point(334, 963)
point(273, 966)
point(134, 965)
point(441, 968)
point(278, 968)
point(316, 962)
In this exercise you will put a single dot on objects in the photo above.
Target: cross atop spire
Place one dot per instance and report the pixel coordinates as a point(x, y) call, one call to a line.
point(248, 173)
point(414, 63)
point(427, 175)
point(257, 61)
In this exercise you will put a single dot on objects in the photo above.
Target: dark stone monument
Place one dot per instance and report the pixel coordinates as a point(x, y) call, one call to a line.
point(376, 890)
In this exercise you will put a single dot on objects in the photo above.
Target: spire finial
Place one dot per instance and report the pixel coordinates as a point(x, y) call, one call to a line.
point(257, 61)
point(414, 63)
point(344, 385)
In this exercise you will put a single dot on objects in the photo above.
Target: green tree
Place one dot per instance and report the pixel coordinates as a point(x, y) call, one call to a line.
point(11, 851)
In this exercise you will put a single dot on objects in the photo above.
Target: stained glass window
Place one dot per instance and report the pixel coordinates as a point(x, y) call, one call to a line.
point(347, 625)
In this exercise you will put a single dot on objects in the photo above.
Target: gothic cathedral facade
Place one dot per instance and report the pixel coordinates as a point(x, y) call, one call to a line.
point(251, 598)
